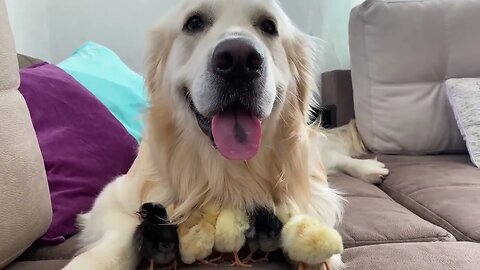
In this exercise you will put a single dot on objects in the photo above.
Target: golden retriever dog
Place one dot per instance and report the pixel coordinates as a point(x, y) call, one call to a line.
point(230, 85)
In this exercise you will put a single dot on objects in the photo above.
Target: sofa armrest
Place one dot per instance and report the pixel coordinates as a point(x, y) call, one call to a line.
point(337, 93)
point(25, 209)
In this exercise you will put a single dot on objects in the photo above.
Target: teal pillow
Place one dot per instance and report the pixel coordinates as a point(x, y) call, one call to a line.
point(119, 88)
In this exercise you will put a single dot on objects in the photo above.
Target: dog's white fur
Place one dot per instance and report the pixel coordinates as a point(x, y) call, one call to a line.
point(177, 164)
point(340, 148)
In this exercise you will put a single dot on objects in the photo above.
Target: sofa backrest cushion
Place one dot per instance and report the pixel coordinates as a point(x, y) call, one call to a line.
point(402, 52)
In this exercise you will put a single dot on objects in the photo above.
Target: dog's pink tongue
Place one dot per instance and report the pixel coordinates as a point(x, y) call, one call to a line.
point(236, 134)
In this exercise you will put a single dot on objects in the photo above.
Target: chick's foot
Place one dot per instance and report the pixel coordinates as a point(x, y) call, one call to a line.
point(249, 257)
point(263, 259)
point(172, 266)
point(152, 265)
point(211, 262)
point(238, 262)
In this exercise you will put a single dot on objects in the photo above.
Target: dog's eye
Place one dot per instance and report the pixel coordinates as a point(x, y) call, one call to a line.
point(194, 24)
point(269, 27)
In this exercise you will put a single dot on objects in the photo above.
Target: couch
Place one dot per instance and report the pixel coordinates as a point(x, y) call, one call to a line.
point(425, 215)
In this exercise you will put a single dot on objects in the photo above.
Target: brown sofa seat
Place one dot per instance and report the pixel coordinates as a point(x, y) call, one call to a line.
point(372, 217)
point(414, 256)
point(444, 190)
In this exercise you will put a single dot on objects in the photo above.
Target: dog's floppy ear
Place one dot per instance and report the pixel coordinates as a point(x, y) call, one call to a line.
point(300, 55)
point(160, 44)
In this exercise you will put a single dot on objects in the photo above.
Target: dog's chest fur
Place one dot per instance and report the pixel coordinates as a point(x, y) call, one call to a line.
point(206, 177)
point(194, 171)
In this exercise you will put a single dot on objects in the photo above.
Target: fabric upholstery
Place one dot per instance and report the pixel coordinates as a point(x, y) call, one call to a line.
point(414, 256)
point(464, 96)
point(9, 76)
point(444, 190)
point(83, 149)
point(25, 208)
point(402, 51)
point(371, 217)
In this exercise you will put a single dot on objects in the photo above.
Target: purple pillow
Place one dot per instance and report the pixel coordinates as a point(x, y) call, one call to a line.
point(83, 145)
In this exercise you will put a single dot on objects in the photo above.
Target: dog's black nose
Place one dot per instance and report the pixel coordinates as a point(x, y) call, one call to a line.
point(237, 58)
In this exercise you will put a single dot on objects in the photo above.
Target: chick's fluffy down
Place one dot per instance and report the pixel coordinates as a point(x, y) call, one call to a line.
point(197, 235)
point(307, 240)
point(230, 230)
point(196, 243)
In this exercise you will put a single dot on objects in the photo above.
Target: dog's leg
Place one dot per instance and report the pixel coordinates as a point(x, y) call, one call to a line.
point(109, 253)
point(369, 170)
point(108, 231)
point(335, 262)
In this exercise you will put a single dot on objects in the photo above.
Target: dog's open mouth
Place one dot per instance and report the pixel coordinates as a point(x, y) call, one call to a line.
point(234, 131)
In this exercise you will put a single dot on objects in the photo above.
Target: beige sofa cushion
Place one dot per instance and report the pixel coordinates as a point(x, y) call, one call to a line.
point(444, 190)
point(25, 210)
point(414, 256)
point(401, 54)
point(371, 217)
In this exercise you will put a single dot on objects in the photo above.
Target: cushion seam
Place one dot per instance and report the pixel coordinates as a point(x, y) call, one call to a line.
point(442, 238)
point(428, 213)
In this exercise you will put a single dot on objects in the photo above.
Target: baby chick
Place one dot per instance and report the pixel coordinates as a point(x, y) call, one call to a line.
point(307, 241)
point(197, 235)
point(264, 233)
point(156, 238)
point(231, 227)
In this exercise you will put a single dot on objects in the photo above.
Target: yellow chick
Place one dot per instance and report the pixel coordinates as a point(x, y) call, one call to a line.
point(197, 235)
point(307, 241)
point(232, 224)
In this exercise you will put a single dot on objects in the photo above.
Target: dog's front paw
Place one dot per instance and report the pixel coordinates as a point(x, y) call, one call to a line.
point(336, 263)
point(307, 240)
point(371, 171)
point(333, 263)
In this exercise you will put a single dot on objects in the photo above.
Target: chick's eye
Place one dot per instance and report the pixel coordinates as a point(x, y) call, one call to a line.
point(269, 27)
point(194, 24)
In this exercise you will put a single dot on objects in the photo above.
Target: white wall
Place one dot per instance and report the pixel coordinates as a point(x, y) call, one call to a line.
point(61, 26)
point(28, 20)
point(53, 29)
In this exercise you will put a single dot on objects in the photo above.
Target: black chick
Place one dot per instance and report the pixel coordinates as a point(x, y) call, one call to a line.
point(264, 233)
point(156, 238)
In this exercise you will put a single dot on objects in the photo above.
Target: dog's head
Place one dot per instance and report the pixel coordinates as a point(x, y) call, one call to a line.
point(228, 68)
